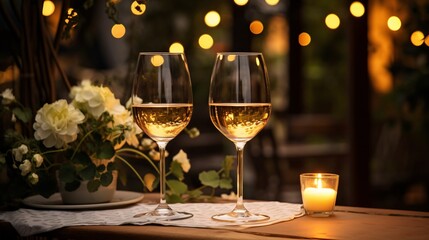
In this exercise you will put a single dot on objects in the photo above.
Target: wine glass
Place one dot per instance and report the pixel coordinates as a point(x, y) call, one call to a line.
point(240, 106)
point(162, 108)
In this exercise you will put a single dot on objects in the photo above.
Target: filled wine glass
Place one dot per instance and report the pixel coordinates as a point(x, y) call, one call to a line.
point(162, 108)
point(240, 106)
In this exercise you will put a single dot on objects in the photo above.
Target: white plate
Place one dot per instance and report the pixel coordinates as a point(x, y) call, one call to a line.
point(120, 199)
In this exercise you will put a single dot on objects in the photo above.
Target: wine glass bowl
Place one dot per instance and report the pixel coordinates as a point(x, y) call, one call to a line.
point(162, 108)
point(239, 107)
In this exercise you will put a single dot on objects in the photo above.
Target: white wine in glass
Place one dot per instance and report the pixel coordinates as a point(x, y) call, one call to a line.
point(162, 108)
point(239, 106)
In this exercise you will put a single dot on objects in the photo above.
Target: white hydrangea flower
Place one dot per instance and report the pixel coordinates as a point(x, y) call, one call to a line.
point(37, 159)
point(231, 196)
point(94, 100)
point(25, 167)
point(182, 158)
point(7, 97)
point(133, 100)
point(57, 124)
point(19, 152)
point(148, 143)
point(33, 178)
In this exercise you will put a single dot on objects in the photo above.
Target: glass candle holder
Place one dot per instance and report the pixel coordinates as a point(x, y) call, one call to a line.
point(319, 193)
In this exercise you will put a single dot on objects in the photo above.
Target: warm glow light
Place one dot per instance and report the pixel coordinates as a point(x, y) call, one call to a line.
point(417, 38)
point(157, 60)
point(304, 39)
point(138, 9)
point(332, 21)
point(231, 58)
point(272, 2)
point(394, 23)
point(241, 2)
point(427, 40)
point(118, 30)
point(357, 9)
point(48, 8)
point(71, 12)
point(256, 27)
point(258, 62)
point(212, 19)
point(176, 48)
point(205, 41)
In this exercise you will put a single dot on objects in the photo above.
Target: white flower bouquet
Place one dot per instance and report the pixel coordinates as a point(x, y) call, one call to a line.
point(68, 136)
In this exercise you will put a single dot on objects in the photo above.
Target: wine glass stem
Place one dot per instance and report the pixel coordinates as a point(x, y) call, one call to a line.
point(162, 146)
point(240, 148)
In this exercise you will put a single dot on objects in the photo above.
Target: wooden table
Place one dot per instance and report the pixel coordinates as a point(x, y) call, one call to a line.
point(346, 223)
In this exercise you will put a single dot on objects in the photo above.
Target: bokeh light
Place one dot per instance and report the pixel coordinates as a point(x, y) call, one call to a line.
point(427, 40)
point(332, 21)
point(205, 41)
point(417, 38)
point(256, 27)
point(48, 8)
point(212, 19)
point(157, 60)
point(176, 48)
point(272, 2)
point(138, 9)
point(394, 23)
point(241, 2)
point(118, 30)
point(357, 9)
point(304, 39)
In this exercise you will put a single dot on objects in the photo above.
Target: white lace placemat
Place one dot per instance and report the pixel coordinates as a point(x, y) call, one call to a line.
point(29, 221)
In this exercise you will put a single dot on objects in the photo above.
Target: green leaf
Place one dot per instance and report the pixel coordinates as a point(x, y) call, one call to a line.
point(177, 187)
point(210, 178)
point(225, 183)
point(105, 150)
point(93, 185)
point(89, 172)
point(174, 198)
point(72, 186)
point(82, 158)
point(67, 173)
point(106, 179)
point(195, 193)
point(23, 114)
point(111, 166)
point(227, 164)
point(176, 169)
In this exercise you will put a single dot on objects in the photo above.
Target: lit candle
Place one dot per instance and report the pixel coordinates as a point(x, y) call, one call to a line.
point(318, 194)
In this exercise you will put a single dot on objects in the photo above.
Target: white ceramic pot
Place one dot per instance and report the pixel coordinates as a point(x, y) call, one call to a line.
point(83, 196)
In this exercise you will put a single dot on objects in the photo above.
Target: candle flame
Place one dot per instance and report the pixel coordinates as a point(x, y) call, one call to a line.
point(318, 181)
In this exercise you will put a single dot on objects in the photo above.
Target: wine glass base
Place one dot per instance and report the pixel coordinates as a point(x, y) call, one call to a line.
point(166, 214)
point(240, 217)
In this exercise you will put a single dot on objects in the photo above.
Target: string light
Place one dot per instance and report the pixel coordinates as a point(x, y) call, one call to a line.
point(138, 8)
point(304, 39)
point(212, 19)
point(241, 2)
point(205, 41)
point(357, 9)
point(332, 21)
point(48, 8)
point(118, 30)
point(272, 2)
point(394, 23)
point(256, 27)
point(176, 48)
point(417, 38)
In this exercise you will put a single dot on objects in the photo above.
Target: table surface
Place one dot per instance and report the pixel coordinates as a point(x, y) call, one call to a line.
point(346, 223)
